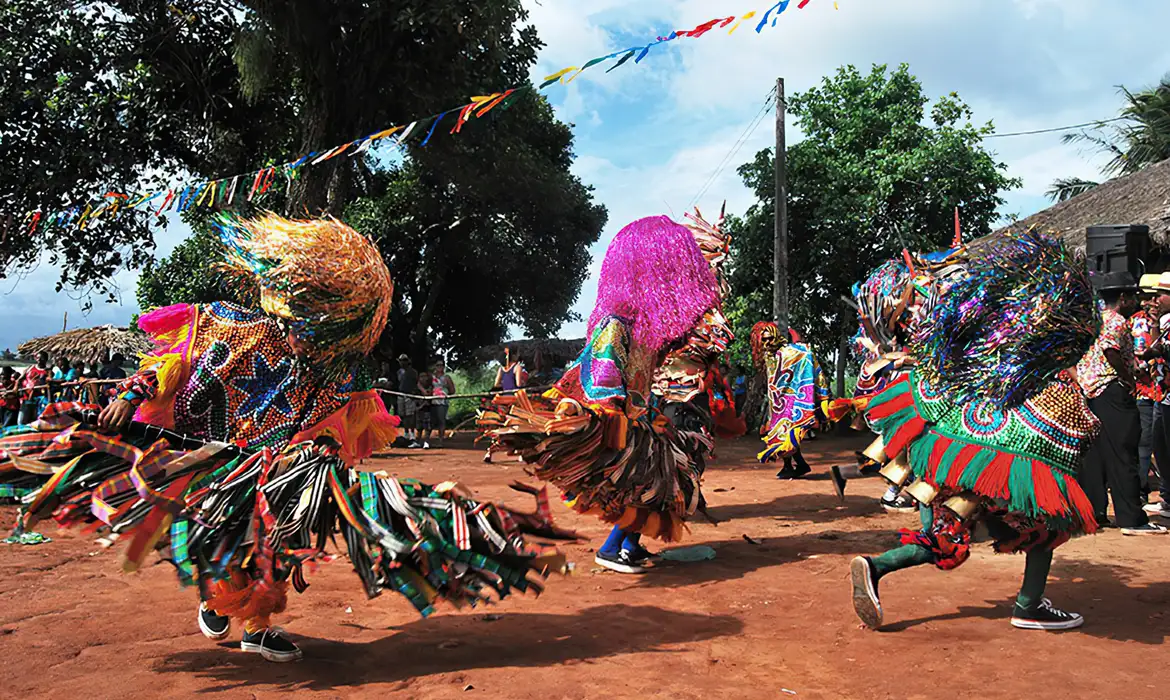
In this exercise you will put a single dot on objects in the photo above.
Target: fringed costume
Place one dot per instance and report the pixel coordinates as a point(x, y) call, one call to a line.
point(989, 421)
point(798, 397)
point(237, 466)
point(624, 433)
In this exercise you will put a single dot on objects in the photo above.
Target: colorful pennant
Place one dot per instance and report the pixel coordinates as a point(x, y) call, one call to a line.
point(222, 192)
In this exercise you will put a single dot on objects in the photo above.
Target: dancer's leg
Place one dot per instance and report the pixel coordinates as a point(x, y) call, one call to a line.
point(1033, 611)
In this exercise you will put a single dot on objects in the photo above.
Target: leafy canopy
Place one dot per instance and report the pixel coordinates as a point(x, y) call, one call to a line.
point(879, 168)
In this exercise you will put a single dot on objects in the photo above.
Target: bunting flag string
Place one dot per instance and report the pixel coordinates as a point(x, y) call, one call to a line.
point(222, 191)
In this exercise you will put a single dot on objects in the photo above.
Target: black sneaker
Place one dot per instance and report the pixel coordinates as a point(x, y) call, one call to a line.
point(272, 645)
point(1147, 529)
point(620, 562)
point(793, 473)
point(640, 555)
point(838, 481)
point(866, 603)
point(1045, 617)
point(214, 627)
point(899, 504)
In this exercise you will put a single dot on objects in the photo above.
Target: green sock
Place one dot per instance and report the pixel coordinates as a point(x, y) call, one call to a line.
point(1035, 578)
point(901, 558)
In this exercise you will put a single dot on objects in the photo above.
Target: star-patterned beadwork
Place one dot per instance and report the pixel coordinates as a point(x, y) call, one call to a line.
point(246, 384)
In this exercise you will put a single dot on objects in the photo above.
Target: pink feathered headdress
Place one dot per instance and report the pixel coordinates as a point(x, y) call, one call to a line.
point(655, 276)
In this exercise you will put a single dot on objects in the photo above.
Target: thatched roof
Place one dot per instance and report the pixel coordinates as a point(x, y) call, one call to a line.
point(554, 352)
point(1140, 198)
point(91, 345)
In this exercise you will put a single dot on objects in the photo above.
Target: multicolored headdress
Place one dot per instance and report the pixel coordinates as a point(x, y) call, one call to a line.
point(322, 278)
point(1023, 312)
point(765, 340)
point(713, 243)
point(655, 276)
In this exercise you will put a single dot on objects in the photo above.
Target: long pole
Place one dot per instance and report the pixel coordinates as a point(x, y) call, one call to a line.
point(780, 252)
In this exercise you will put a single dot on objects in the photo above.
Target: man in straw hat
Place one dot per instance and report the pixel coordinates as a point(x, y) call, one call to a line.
point(1158, 287)
point(1107, 375)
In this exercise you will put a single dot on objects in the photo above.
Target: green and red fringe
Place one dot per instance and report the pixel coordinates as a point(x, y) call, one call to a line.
point(1029, 485)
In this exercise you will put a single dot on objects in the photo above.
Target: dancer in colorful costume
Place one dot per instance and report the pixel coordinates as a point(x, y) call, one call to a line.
point(245, 424)
point(891, 303)
point(798, 399)
point(620, 433)
point(990, 421)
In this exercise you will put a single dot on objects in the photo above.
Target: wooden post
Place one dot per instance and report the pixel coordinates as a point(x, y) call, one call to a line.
point(780, 251)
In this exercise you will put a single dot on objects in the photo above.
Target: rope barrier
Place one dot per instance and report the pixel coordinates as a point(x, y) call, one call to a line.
point(463, 396)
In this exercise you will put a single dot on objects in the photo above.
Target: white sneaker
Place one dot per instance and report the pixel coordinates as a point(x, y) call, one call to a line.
point(1153, 508)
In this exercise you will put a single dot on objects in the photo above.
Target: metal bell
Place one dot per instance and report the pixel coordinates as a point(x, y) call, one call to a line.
point(877, 451)
point(898, 471)
point(922, 491)
point(963, 505)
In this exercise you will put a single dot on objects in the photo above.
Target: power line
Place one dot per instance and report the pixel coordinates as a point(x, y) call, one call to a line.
point(735, 147)
point(1098, 122)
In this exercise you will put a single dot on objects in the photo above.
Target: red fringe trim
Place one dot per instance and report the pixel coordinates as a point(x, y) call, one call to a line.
point(960, 464)
point(993, 482)
point(1048, 496)
point(1081, 504)
point(892, 406)
point(905, 434)
point(254, 601)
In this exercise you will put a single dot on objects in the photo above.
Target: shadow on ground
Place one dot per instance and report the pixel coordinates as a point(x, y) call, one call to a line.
point(457, 643)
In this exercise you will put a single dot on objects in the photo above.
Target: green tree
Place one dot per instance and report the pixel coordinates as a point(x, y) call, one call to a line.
point(876, 171)
point(103, 97)
point(98, 96)
point(188, 275)
point(1065, 188)
point(1139, 136)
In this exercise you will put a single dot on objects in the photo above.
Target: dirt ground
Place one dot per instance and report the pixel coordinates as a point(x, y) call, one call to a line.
point(770, 617)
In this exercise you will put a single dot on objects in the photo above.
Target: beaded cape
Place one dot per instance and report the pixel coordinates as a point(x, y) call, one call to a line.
point(227, 373)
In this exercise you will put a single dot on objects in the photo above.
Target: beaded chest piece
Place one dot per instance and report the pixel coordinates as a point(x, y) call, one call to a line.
point(246, 384)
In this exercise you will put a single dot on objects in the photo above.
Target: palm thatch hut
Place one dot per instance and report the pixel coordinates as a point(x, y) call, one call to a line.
point(90, 345)
point(1142, 199)
point(535, 354)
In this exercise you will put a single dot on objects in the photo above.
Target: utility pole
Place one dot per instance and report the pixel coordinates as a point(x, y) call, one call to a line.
point(780, 251)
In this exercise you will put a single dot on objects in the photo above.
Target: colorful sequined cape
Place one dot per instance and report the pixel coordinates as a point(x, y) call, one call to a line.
point(1023, 459)
point(600, 434)
point(799, 400)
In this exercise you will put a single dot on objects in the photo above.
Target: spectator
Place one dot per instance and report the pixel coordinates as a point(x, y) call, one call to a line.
point(407, 384)
point(1106, 375)
point(111, 371)
point(112, 368)
point(10, 400)
point(510, 376)
point(32, 398)
point(422, 409)
point(444, 386)
point(1161, 430)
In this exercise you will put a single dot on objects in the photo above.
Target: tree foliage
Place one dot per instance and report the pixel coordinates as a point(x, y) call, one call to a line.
point(1141, 134)
point(103, 97)
point(877, 170)
point(1065, 188)
point(214, 87)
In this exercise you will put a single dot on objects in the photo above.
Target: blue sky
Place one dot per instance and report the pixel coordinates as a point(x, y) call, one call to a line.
point(649, 136)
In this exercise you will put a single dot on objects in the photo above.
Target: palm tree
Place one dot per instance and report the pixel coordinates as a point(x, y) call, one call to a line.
point(1138, 136)
point(1065, 188)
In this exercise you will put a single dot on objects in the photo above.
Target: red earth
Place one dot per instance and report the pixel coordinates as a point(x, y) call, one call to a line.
point(770, 617)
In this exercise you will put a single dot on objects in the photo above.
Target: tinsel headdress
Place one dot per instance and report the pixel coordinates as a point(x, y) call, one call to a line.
point(713, 242)
point(655, 276)
point(1023, 312)
point(322, 278)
